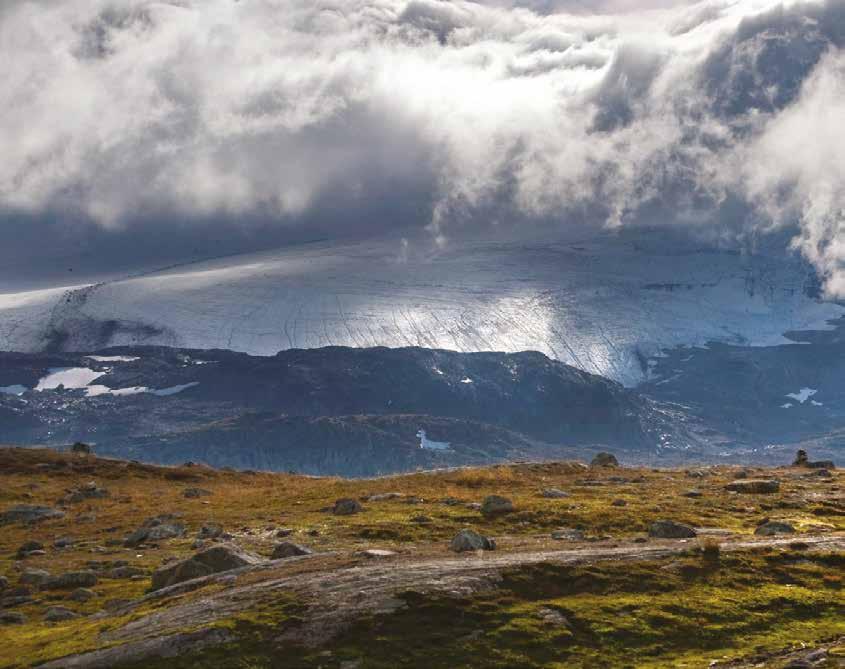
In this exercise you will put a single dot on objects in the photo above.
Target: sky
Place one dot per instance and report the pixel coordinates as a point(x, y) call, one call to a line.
point(135, 133)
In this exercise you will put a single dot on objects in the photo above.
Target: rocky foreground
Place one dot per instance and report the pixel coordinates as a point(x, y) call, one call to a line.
point(107, 563)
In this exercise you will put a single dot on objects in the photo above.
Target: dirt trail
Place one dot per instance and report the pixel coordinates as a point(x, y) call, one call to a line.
point(339, 595)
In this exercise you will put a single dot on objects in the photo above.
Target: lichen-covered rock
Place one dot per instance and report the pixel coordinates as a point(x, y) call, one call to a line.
point(123, 572)
point(210, 561)
point(771, 527)
point(57, 614)
point(604, 460)
point(754, 486)
point(377, 553)
point(346, 507)
point(193, 493)
point(82, 595)
point(71, 579)
point(669, 529)
point(554, 493)
point(28, 547)
point(88, 490)
point(496, 505)
point(821, 464)
point(161, 527)
point(384, 496)
point(34, 577)
point(567, 534)
point(470, 540)
point(12, 618)
point(210, 531)
point(287, 549)
point(29, 513)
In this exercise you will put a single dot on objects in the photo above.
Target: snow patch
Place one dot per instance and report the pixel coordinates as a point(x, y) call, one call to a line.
point(786, 406)
point(15, 389)
point(802, 395)
point(71, 378)
point(428, 444)
point(112, 358)
point(173, 390)
point(466, 380)
point(96, 391)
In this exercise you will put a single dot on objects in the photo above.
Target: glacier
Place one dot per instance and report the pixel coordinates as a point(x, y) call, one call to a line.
point(606, 303)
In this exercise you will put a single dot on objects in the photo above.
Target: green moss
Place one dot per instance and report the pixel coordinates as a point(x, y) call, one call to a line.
point(633, 615)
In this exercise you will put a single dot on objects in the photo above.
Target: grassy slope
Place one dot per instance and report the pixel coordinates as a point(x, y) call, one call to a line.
point(647, 614)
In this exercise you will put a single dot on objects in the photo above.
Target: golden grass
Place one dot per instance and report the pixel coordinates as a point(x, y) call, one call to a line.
point(253, 505)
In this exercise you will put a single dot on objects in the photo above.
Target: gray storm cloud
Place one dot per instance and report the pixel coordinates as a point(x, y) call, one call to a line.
point(720, 116)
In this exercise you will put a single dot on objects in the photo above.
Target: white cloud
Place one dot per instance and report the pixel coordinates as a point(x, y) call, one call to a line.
point(615, 112)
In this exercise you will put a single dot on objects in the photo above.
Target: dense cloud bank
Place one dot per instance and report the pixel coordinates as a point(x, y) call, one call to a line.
point(357, 115)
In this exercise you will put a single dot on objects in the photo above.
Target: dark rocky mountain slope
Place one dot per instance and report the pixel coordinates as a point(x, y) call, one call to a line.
point(329, 410)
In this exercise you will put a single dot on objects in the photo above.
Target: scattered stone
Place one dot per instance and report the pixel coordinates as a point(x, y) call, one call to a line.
point(496, 505)
point(34, 577)
point(26, 549)
point(414, 500)
point(15, 600)
point(553, 617)
point(64, 542)
point(604, 460)
point(346, 507)
point(696, 473)
point(156, 529)
point(821, 464)
point(4, 583)
point(741, 474)
point(377, 553)
point(210, 531)
point(470, 540)
point(451, 501)
point(567, 534)
point(288, 549)
point(116, 603)
point(771, 527)
point(421, 520)
point(81, 449)
point(12, 618)
point(381, 497)
point(193, 493)
point(82, 595)
point(71, 579)
point(754, 486)
point(210, 561)
point(619, 502)
point(283, 532)
point(693, 493)
point(801, 460)
point(29, 513)
point(124, 572)
point(669, 529)
point(554, 493)
point(473, 506)
point(57, 614)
